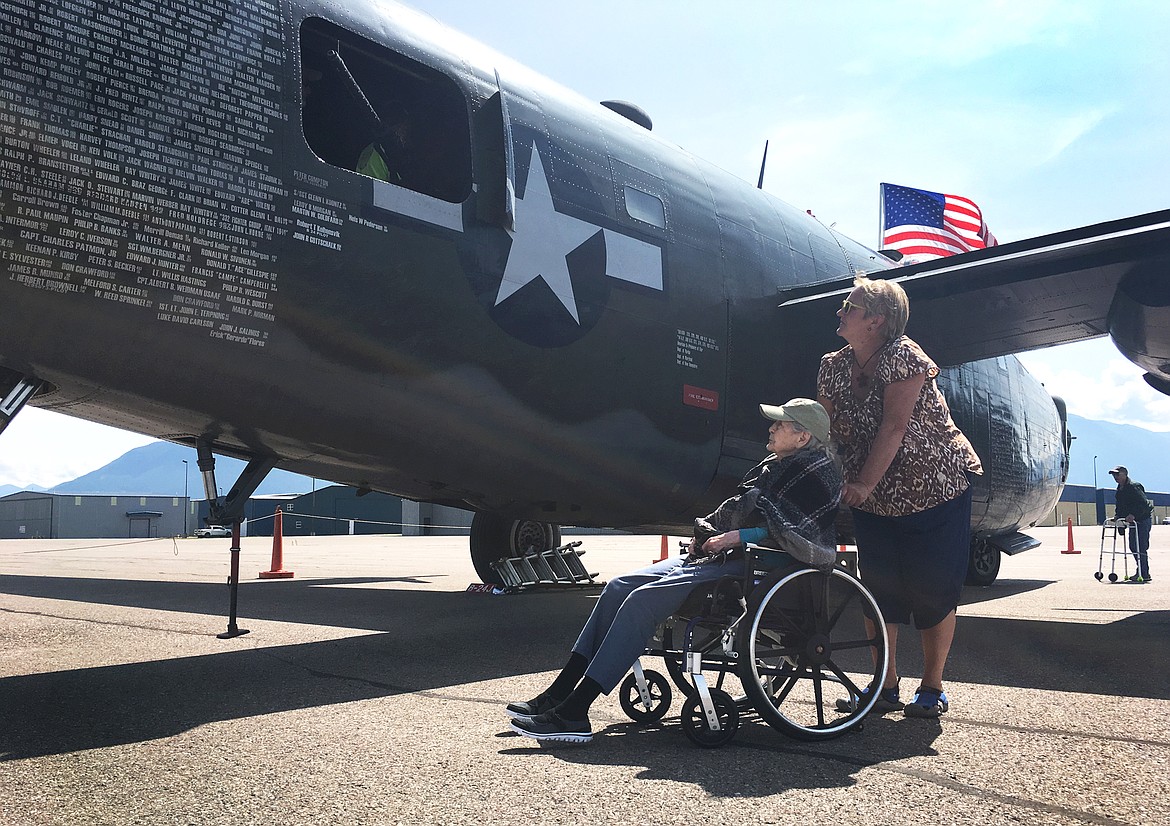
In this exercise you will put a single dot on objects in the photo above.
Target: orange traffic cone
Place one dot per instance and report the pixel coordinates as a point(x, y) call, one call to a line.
point(1071, 549)
point(277, 571)
point(662, 554)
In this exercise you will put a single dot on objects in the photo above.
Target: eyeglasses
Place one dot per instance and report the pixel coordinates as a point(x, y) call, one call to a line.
point(848, 305)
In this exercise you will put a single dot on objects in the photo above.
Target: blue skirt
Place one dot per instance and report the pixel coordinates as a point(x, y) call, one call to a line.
point(915, 565)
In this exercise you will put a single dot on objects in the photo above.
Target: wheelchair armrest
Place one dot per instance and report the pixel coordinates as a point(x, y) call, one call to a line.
point(766, 556)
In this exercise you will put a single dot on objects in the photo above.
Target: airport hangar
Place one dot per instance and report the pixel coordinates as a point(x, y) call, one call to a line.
point(331, 510)
point(337, 510)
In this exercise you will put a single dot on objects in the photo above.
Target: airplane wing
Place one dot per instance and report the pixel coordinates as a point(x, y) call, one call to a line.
point(1109, 278)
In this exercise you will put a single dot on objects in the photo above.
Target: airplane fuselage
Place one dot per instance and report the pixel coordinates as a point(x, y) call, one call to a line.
point(355, 241)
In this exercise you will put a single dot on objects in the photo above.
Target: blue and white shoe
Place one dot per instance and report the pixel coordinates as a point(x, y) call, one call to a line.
point(927, 702)
point(886, 702)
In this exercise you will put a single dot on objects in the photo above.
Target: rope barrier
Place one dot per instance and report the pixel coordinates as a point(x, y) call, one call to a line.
point(296, 515)
point(142, 541)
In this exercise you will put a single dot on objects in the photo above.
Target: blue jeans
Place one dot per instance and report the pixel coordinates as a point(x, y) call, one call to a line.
point(1139, 545)
point(632, 605)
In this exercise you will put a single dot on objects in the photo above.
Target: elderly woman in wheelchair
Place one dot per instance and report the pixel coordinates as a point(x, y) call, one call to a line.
point(791, 624)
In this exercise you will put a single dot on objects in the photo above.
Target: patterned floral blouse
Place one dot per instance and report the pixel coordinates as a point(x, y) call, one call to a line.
point(931, 465)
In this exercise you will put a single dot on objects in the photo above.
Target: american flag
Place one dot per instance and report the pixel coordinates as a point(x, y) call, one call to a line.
point(923, 225)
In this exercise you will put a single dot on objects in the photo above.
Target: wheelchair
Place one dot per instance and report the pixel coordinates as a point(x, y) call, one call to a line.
point(801, 643)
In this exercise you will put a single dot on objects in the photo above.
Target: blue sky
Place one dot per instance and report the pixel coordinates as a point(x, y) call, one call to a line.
point(1049, 115)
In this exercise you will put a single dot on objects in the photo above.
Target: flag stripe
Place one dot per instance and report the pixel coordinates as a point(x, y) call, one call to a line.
point(926, 225)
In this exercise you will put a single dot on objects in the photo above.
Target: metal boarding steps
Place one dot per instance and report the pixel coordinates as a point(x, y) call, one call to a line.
point(556, 566)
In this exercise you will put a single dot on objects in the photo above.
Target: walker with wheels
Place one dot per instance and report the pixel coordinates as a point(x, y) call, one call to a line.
point(1115, 528)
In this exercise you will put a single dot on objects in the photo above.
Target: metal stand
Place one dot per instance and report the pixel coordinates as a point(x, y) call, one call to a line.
point(231, 510)
point(557, 566)
point(234, 630)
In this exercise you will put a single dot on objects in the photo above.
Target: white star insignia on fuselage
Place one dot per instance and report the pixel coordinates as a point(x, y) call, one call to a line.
point(542, 239)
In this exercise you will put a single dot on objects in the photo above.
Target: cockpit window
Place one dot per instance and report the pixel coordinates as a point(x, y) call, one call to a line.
point(378, 113)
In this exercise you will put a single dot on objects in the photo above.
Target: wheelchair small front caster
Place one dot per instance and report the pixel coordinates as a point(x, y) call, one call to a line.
point(694, 721)
point(631, 698)
point(1100, 576)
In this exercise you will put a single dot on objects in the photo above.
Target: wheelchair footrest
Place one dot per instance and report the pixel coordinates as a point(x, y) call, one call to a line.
point(556, 566)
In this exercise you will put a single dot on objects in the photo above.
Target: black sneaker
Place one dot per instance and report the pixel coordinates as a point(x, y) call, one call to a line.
point(537, 705)
point(552, 726)
point(886, 702)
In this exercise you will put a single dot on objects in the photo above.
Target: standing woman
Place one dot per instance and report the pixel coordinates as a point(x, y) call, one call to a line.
point(905, 467)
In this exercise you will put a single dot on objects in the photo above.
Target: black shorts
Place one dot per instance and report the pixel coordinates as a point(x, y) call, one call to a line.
point(915, 565)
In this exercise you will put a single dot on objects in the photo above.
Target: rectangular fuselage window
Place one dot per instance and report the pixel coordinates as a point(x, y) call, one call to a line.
point(642, 206)
point(370, 110)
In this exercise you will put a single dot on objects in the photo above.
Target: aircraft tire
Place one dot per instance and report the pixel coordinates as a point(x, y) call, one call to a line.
point(983, 567)
point(495, 537)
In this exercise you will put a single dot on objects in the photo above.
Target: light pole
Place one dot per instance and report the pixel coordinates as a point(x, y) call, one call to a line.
point(1098, 508)
point(186, 501)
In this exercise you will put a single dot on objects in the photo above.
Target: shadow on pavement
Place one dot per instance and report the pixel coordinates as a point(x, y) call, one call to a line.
point(439, 639)
point(663, 753)
point(1001, 588)
point(430, 640)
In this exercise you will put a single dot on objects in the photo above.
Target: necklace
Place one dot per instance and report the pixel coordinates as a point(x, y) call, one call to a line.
point(862, 379)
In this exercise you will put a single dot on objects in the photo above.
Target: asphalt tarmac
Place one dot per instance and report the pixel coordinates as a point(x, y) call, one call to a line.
point(370, 690)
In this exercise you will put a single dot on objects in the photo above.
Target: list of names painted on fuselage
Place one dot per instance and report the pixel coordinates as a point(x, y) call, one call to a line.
point(138, 144)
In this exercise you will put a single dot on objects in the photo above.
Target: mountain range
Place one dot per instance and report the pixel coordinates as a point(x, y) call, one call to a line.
point(157, 469)
point(1145, 454)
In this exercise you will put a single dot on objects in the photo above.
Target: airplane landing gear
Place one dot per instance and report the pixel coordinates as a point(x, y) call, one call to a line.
point(983, 567)
point(496, 537)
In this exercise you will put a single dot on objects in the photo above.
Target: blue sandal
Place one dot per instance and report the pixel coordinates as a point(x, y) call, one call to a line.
point(886, 702)
point(927, 702)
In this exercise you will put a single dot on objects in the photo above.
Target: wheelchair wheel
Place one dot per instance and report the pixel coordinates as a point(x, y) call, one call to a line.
point(631, 698)
point(811, 638)
point(715, 670)
point(694, 722)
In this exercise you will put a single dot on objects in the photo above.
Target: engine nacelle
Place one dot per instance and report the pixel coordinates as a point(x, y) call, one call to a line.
point(1139, 322)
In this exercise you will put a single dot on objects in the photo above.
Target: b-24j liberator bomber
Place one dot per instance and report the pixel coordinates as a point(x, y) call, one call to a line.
point(345, 240)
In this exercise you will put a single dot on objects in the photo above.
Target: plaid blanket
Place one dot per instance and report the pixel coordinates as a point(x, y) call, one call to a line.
point(794, 497)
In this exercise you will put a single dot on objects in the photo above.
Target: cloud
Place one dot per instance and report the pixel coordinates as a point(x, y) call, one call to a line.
point(832, 161)
point(44, 448)
point(951, 35)
point(1097, 383)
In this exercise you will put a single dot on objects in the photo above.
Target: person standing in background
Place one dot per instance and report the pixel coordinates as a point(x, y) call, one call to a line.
point(1134, 508)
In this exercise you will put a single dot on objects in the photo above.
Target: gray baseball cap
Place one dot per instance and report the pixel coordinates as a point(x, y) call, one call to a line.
point(807, 413)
